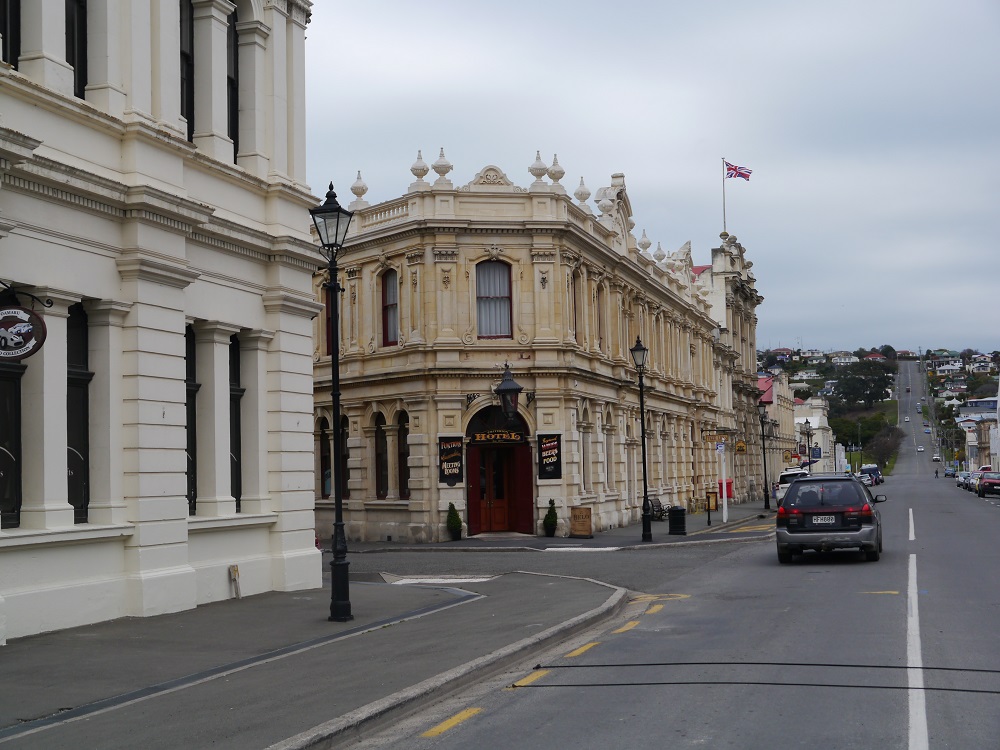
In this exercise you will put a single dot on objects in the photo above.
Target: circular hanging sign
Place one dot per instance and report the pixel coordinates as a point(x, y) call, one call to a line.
point(22, 333)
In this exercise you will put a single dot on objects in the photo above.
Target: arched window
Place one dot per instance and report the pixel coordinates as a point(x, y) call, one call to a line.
point(325, 466)
point(390, 308)
point(381, 458)
point(236, 392)
point(403, 454)
point(493, 306)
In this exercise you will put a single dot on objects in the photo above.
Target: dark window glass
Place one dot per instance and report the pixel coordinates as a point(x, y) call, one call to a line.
point(403, 454)
point(10, 444)
point(77, 413)
point(493, 300)
point(233, 83)
point(325, 466)
point(76, 44)
point(381, 458)
point(343, 470)
point(187, 65)
point(390, 308)
point(10, 31)
point(235, 422)
point(191, 418)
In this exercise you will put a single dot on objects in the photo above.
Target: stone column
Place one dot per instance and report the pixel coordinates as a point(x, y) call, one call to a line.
point(43, 45)
point(253, 155)
point(105, 59)
point(253, 419)
point(392, 460)
point(107, 501)
point(45, 503)
point(211, 118)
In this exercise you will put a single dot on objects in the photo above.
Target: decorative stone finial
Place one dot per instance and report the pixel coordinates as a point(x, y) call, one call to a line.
point(359, 188)
point(605, 204)
point(644, 242)
point(582, 193)
point(419, 168)
point(659, 255)
point(442, 166)
point(538, 169)
point(556, 172)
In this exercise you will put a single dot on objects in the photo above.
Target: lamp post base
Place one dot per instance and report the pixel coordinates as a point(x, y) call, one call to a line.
point(647, 527)
point(340, 600)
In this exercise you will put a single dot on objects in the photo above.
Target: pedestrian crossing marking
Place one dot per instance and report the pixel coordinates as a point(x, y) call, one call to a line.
point(582, 649)
point(626, 627)
point(454, 721)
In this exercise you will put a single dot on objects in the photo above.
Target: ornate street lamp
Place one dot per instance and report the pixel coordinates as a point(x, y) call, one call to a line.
point(332, 220)
point(639, 357)
point(507, 391)
point(762, 412)
point(809, 434)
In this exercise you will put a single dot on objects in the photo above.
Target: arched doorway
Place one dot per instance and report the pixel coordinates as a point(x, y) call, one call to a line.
point(500, 492)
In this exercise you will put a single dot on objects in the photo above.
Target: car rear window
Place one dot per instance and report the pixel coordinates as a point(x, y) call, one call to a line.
point(791, 477)
point(817, 494)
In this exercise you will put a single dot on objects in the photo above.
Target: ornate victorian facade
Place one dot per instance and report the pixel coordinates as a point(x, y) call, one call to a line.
point(447, 284)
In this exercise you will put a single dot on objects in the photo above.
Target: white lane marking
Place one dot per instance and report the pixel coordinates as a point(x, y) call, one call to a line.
point(912, 533)
point(915, 665)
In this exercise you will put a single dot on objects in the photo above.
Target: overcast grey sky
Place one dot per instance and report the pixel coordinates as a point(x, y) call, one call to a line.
point(871, 128)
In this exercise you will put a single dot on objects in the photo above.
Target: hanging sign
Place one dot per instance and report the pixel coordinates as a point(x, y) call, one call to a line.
point(786, 456)
point(450, 460)
point(22, 333)
point(550, 456)
point(741, 446)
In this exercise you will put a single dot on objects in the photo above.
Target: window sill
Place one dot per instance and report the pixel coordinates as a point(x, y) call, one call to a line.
point(241, 520)
point(80, 533)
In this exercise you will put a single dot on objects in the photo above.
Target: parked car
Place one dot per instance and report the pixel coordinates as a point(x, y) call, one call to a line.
point(826, 512)
point(927, 430)
point(874, 471)
point(927, 424)
point(949, 471)
point(935, 457)
point(989, 484)
point(961, 478)
point(786, 478)
point(972, 480)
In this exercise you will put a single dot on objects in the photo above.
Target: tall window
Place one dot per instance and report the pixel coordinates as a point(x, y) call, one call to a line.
point(233, 83)
point(343, 470)
point(390, 308)
point(381, 458)
point(235, 423)
point(493, 300)
point(76, 44)
point(609, 461)
point(599, 314)
point(403, 454)
point(191, 418)
point(187, 65)
point(10, 443)
point(10, 30)
point(325, 466)
point(77, 413)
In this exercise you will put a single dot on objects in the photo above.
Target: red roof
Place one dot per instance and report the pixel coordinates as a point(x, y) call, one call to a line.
point(767, 386)
point(874, 355)
point(698, 270)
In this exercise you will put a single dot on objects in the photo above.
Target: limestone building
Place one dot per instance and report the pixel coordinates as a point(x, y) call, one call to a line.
point(448, 283)
point(153, 191)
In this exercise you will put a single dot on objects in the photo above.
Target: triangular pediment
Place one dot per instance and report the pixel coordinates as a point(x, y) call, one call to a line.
point(491, 179)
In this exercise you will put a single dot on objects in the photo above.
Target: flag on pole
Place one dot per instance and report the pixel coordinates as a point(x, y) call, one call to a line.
point(733, 171)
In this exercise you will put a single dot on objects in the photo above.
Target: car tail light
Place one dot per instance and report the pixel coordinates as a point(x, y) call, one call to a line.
point(866, 513)
point(782, 518)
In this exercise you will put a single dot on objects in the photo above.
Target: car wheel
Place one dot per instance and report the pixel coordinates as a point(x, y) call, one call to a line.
point(872, 555)
point(784, 557)
point(982, 494)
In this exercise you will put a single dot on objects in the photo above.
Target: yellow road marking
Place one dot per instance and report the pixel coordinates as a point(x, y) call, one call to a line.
point(536, 675)
point(455, 720)
point(626, 626)
point(585, 647)
point(654, 609)
point(659, 597)
point(879, 592)
point(741, 529)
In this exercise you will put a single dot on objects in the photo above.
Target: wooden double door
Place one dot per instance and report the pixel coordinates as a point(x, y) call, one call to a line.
point(500, 492)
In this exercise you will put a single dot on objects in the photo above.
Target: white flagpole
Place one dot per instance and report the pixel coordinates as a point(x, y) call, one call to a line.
point(723, 193)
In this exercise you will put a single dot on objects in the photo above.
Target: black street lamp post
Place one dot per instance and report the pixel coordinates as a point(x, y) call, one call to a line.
point(762, 411)
point(809, 434)
point(332, 220)
point(639, 355)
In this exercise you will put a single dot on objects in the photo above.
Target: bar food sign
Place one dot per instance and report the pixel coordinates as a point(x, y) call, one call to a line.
point(450, 460)
point(550, 456)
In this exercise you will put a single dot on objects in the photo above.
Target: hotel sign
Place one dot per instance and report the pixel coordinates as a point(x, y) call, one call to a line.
point(501, 436)
point(22, 333)
point(450, 460)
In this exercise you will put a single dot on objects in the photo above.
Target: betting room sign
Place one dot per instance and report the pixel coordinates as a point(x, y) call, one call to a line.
point(550, 456)
point(450, 460)
point(22, 333)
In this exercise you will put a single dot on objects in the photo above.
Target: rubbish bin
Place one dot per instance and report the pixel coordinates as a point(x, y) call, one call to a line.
point(676, 520)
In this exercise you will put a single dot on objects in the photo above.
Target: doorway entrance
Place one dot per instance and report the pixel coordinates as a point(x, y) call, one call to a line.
point(500, 493)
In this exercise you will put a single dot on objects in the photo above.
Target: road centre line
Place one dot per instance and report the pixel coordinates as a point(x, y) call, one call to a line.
point(913, 534)
point(454, 721)
point(914, 659)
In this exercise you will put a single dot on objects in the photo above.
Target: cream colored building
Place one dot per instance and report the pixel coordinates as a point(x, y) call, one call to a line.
point(447, 283)
point(153, 189)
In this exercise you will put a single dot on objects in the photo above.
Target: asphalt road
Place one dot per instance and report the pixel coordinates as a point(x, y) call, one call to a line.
point(732, 649)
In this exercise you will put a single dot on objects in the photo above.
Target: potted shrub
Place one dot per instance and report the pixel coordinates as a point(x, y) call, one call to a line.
point(551, 519)
point(454, 523)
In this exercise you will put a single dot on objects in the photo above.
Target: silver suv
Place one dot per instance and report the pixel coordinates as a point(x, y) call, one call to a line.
point(827, 512)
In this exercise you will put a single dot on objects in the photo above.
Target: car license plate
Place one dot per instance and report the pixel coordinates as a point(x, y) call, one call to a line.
point(823, 519)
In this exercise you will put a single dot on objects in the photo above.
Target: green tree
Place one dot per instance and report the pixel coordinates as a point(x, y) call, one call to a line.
point(866, 381)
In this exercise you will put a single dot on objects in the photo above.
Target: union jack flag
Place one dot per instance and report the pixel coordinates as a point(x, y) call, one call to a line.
point(733, 171)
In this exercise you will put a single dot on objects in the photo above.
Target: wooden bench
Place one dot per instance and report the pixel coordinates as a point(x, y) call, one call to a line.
point(659, 511)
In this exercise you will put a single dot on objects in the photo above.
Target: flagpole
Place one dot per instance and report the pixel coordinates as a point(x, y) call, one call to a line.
point(723, 193)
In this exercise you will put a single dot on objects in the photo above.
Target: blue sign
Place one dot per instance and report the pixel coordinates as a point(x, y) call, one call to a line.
point(816, 452)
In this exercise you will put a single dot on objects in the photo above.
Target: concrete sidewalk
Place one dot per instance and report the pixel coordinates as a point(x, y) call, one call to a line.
point(271, 671)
